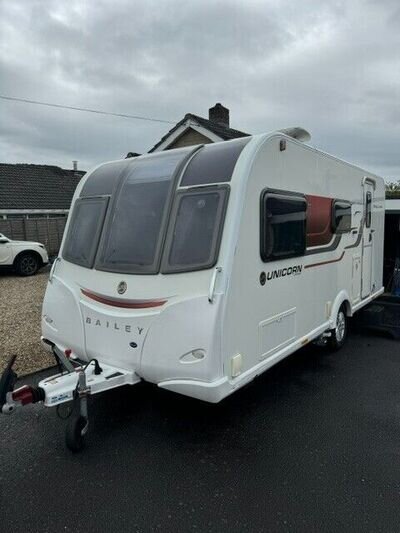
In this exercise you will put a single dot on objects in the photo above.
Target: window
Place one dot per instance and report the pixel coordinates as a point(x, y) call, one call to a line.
point(341, 216)
point(84, 231)
point(319, 220)
point(136, 227)
point(214, 163)
point(193, 242)
point(104, 180)
point(368, 206)
point(283, 225)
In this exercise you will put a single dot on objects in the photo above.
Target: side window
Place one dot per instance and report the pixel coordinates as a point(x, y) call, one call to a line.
point(283, 225)
point(368, 209)
point(341, 216)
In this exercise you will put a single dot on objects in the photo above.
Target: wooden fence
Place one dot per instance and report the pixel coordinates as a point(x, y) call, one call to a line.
point(47, 230)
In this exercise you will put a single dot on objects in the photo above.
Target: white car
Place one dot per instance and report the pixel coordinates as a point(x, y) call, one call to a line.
point(25, 257)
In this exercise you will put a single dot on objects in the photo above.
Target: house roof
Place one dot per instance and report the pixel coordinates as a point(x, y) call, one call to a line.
point(219, 129)
point(25, 186)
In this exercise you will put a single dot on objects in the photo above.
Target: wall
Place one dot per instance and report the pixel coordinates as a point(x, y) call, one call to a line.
point(189, 138)
point(47, 230)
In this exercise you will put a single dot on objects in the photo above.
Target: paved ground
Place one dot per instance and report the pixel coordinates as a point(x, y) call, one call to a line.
point(20, 312)
point(313, 445)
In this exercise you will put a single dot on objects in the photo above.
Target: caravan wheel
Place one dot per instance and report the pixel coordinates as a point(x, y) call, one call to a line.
point(339, 334)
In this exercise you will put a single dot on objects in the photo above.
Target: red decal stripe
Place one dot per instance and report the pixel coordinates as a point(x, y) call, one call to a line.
point(319, 220)
point(125, 304)
point(325, 262)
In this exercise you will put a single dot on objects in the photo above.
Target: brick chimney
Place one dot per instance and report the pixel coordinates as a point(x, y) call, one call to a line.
point(75, 165)
point(219, 114)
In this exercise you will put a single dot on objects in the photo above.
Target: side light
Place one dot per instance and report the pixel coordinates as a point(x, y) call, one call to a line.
point(194, 356)
point(47, 319)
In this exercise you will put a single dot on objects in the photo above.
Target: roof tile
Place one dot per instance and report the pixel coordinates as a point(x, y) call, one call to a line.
point(24, 186)
point(222, 131)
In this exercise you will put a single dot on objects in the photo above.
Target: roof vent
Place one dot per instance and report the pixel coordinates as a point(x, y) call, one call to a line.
point(297, 133)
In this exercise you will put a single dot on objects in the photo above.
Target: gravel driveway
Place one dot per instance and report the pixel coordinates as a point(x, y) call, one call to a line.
point(20, 313)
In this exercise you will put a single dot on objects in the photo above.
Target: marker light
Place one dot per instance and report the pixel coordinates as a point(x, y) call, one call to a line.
point(193, 357)
point(24, 395)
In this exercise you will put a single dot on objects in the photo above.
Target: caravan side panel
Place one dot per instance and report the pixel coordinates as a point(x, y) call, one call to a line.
point(274, 307)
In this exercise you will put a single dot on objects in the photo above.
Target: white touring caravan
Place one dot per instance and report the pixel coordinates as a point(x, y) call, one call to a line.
point(199, 268)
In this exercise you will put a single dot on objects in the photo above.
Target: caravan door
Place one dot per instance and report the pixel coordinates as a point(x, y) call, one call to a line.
point(368, 241)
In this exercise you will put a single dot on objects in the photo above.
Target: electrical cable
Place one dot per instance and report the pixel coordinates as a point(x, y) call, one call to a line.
point(85, 109)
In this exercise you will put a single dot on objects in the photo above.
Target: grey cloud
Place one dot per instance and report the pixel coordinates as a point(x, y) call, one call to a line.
point(332, 68)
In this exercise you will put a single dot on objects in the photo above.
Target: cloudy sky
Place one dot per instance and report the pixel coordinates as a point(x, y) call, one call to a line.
point(332, 67)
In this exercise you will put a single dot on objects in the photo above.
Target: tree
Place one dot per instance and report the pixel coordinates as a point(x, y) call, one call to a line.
point(393, 189)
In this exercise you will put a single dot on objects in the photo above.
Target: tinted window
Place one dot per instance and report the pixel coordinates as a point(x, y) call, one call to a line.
point(84, 231)
point(283, 225)
point(136, 226)
point(198, 218)
point(214, 163)
point(341, 218)
point(104, 179)
point(368, 215)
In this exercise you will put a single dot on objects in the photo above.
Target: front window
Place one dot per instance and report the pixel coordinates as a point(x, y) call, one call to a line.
point(137, 222)
point(136, 226)
point(193, 241)
point(84, 231)
point(214, 163)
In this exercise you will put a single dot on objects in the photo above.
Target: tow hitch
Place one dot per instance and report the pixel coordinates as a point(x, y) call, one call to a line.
point(73, 384)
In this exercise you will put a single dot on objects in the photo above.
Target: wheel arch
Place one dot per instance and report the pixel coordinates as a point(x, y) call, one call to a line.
point(341, 299)
point(28, 252)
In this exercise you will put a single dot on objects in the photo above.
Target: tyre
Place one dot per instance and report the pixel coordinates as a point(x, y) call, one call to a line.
point(339, 334)
point(74, 437)
point(27, 264)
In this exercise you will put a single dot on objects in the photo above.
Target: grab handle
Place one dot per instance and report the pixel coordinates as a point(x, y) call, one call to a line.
point(53, 268)
point(212, 284)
